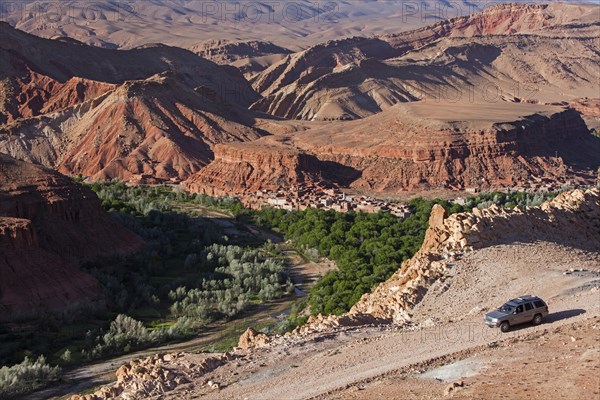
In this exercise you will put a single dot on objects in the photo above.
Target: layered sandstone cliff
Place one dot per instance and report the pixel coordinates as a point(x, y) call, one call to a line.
point(415, 146)
point(48, 226)
point(248, 167)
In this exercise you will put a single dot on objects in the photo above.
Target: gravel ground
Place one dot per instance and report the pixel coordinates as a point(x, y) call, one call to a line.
point(450, 317)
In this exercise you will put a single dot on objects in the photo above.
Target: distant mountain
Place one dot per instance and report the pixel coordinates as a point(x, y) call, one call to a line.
point(507, 53)
point(294, 24)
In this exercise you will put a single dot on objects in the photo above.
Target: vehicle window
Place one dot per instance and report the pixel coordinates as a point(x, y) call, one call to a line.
point(528, 306)
point(507, 309)
point(520, 309)
point(539, 304)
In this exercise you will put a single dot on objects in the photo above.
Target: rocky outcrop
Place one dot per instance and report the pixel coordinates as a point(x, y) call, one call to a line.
point(244, 168)
point(48, 226)
point(156, 375)
point(251, 339)
point(573, 219)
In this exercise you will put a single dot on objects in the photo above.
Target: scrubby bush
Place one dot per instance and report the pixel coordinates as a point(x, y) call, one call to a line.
point(67, 357)
point(240, 275)
point(27, 376)
point(126, 334)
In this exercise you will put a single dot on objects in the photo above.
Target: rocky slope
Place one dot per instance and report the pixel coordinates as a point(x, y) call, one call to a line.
point(530, 52)
point(416, 146)
point(48, 226)
point(573, 219)
point(152, 130)
point(436, 145)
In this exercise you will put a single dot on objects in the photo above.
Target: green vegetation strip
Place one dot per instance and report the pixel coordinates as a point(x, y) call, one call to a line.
point(193, 274)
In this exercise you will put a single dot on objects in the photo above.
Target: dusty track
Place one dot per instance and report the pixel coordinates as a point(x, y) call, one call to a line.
point(324, 364)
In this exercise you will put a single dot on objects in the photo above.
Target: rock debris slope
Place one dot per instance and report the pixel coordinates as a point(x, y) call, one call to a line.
point(572, 219)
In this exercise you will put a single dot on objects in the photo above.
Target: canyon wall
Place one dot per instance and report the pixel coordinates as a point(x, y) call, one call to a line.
point(48, 227)
point(240, 168)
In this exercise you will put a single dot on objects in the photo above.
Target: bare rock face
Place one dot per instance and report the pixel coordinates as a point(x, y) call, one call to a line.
point(239, 168)
point(48, 226)
point(252, 339)
point(436, 224)
point(573, 218)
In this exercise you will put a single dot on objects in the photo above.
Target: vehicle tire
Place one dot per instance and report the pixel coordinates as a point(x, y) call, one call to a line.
point(504, 327)
point(537, 319)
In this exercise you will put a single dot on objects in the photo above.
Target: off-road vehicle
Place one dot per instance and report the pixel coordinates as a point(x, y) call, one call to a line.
point(517, 311)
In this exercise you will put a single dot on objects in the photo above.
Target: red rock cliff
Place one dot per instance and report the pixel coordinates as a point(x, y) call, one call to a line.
point(48, 226)
point(250, 167)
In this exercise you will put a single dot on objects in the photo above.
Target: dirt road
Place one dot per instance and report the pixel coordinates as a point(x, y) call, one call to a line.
point(318, 368)
point(324, 364)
